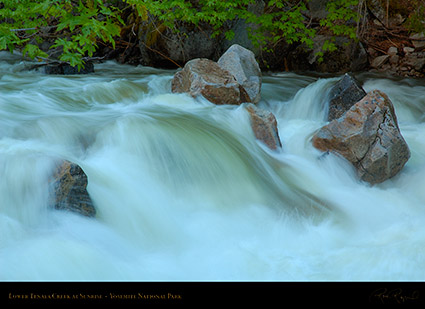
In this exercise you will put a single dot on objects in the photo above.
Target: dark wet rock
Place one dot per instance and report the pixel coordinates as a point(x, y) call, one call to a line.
point(264, 126)
point(317, 9)
point(368, 136)
point(69, 185)
point(343, 95)
point(66, 69)
point(161, 46)
point(349, 56)
point(242, 29)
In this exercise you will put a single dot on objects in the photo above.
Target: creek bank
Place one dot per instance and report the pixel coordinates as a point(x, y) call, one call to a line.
point(392, 46)
point(150, 44)
point(384, 43)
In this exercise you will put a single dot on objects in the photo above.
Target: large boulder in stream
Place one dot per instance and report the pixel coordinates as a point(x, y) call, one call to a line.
point(344, 94)
point(234, 79)
point(369, 137)
point(241, 63)
point(69, 184)
point(264, 126)
point(204, 77)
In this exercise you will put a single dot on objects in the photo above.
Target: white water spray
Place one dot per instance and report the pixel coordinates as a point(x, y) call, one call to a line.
point(184, 191)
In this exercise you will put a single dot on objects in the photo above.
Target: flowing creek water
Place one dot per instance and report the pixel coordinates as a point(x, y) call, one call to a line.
point(184, 191)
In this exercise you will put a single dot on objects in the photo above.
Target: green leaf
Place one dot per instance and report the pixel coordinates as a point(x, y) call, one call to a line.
point(73, 59)
point(33, 51)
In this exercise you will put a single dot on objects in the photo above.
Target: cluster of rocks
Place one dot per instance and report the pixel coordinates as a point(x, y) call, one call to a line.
point(403, 61)
point(362, 126)
point(234, 79)
point(391, 45)
point(363, 129)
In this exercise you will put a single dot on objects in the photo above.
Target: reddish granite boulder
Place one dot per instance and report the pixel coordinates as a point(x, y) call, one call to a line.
point(368, 136)
point(204, 77)
point(264, 125)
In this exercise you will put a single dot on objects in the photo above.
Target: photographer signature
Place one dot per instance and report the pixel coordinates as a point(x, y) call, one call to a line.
point(398, 296)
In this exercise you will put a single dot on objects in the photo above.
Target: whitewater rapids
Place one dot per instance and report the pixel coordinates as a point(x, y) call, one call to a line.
point(184, 191)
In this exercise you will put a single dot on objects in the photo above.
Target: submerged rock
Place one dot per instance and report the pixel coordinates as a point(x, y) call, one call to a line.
point(204, 77)
point(241, 63)
point(69, 185)
point(368, 136)
point(344, 94)
point(264, 125)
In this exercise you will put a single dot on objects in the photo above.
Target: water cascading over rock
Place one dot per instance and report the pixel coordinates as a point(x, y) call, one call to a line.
point(234, 79)
point(69, 185)
point(264, 125)
point(369, 137)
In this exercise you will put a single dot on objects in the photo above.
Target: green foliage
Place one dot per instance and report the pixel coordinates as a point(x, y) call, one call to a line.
point(282, 19)
point(77, 27)
point(8, 39)
point(416, 22)
point(340, 21)
point(340, 12)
